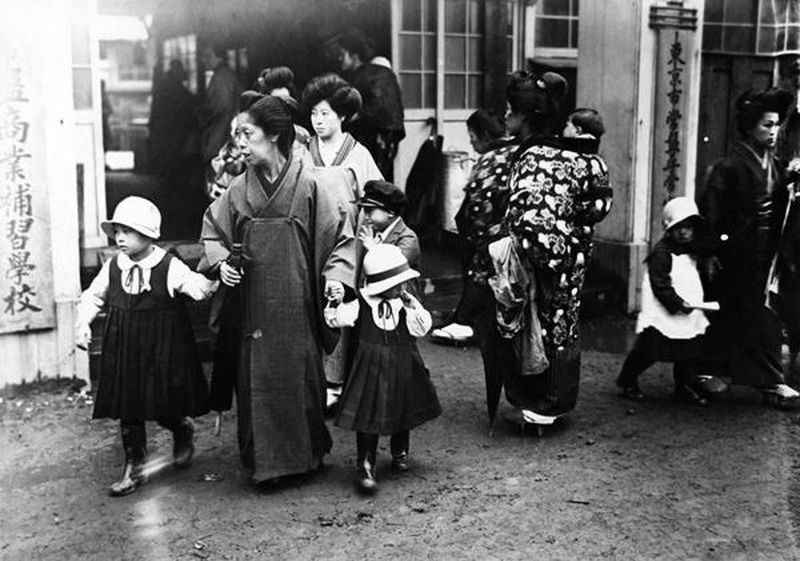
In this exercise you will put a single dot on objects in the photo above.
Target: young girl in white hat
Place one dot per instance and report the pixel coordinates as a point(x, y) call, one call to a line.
point(388, 390)
point(149, 367)
point(672, 324)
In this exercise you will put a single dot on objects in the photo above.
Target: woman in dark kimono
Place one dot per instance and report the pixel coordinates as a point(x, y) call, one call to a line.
point(294, 241)
point(550, 219)
point(744, 202)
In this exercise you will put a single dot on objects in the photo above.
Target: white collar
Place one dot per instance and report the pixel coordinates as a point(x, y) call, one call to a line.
point(380, 317)
point(388, 230)
point(124, 262)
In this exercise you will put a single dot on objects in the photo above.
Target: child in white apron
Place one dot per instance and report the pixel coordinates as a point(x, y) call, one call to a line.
point(671, 326)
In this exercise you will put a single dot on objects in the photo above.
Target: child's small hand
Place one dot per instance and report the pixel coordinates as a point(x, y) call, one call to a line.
point(334, 291)
point(229, 276)
point(408, 300)
point(367, 237)
point(83, 337)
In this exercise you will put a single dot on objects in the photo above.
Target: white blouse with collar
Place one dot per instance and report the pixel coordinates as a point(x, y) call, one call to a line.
point(180, 279)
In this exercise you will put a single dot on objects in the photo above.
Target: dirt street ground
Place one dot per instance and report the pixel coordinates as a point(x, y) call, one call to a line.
point(658, 480)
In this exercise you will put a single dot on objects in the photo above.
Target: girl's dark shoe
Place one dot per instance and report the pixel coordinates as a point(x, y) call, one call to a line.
point(400, 461)
point(132, 478)
point(183, 444)
point(366, 478)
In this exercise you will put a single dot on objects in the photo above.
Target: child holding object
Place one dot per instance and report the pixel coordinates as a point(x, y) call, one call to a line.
point(388, 390)
point(149, 367)
point(672, 323)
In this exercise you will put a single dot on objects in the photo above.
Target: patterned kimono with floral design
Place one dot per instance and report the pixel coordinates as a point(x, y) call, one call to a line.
point(480, 219)
point(557, 195)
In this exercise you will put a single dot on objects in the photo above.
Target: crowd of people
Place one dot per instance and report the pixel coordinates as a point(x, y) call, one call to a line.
point(313, 274)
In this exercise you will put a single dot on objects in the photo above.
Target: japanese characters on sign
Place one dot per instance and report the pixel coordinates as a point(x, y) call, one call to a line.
point(674, 116)
point(26, 294)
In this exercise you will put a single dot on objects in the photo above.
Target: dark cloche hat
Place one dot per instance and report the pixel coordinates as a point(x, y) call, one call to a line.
point(385, 195)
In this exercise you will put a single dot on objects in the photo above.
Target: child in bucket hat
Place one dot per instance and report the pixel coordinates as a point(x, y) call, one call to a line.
point(672, 324)
point(149, 366)
point(388, 390)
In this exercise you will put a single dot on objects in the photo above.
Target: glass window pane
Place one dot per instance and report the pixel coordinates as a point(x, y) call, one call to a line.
point(475, 16)
point(574, 7)
point(81, 45)
point(475, 55)
point(429, 15)
point(741, 11)
point(454, 94)
point(455, 16)
point(411, 15)
point(82, 88)
point(411, 90)
point(510, 58)
point(429, 90)
point(455, 53)
point(793, 38)
point(475, 92)
point(767, 41)
point(552, 32)
point(429, 52)
point(714, 10)
point(555, 7)
point(712, 37)
point(739, 39)
point(410, 52)
point(573, 38)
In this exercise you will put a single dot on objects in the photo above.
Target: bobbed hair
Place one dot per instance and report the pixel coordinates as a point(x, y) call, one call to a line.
point(485, 123)
point(274, 116)
point(342, 97)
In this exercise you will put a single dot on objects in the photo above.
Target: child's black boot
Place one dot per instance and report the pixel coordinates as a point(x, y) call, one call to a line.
point(183, 444)
point(399, 446)
point(367, 450)
point(133, 476)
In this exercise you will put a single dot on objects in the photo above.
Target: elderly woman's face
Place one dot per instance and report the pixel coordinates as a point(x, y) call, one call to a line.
point(256, 147)
point(765, 133)
point(325, 120)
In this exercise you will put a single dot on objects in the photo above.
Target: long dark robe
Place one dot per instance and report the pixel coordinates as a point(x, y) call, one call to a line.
point(292, 241)
point(744, 215)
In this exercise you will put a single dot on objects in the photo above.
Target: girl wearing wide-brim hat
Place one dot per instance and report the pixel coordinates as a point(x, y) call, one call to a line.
point(149, 367)
point(388, 390)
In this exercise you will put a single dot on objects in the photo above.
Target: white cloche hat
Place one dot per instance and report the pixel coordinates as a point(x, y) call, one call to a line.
point(138, 214)
point(679, 209)
point(385, 267)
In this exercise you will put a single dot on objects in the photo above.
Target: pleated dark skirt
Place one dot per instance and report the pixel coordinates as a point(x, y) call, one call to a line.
point(149, 367)
point(389, 390)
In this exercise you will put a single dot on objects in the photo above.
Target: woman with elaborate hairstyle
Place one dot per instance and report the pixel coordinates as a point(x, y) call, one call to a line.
point(745, 202)
point(550, 225)
point(297, 250)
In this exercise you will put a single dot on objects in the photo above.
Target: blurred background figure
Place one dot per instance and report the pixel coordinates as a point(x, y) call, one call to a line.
point(220, 106)
point(379, 124)
point(174, 135)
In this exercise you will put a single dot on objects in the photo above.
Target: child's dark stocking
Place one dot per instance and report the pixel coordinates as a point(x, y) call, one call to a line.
point(182, 439)
point(399, 446)
point(134, 440)
point(628, 379)
point(367, 450)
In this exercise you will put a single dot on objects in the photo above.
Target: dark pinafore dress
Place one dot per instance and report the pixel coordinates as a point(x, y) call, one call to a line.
point(389, 389)
point(149, 368)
